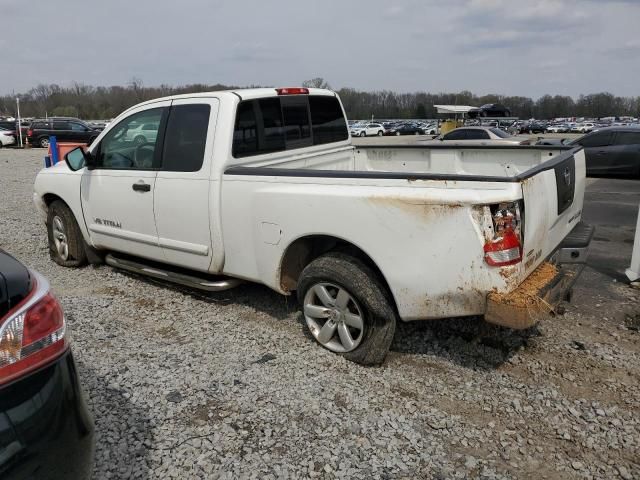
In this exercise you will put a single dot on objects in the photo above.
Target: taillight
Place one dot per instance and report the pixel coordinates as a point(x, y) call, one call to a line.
point(292, 91)
point(505, 248)
point(32, 334)
point(29, 133)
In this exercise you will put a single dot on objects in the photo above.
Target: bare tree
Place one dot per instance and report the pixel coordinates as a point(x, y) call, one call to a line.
point(317, 82)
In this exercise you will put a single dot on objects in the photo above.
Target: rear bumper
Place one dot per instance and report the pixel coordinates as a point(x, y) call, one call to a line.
point(46, 431)
point(569, 259)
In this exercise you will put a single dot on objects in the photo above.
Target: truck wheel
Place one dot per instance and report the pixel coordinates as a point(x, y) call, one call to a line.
point(43, 142)
point(347, 308)
point(66, 245)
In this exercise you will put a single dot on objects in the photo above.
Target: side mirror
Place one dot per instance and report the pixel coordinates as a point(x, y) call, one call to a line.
point(78, 158)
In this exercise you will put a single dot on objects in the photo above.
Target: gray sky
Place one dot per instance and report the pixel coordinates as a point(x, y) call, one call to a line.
point(524, 47)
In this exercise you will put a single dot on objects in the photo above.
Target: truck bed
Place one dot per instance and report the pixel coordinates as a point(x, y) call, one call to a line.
point(502, 163)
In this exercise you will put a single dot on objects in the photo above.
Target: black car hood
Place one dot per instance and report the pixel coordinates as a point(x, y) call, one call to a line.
point(15, 282)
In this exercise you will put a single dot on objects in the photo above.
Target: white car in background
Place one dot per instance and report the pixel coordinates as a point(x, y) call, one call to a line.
point(479, 136)
point(586, 127)
point(7, 137)
point(143, 133)
point(367, 130)
point(431, 129)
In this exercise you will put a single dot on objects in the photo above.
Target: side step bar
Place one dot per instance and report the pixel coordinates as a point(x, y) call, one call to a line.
point(161, 273)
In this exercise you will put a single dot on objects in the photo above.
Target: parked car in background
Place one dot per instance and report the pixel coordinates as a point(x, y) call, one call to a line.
point(479, 135)
point(46, 431)
point(367, 130)
point(7, 137)
point(558, 128)
point(144, 132)
point(532, 127)
point(406, 129)
point(490, 110)
point(431, 129)
point(612, 151)
point(586, 127)
point(65, 129)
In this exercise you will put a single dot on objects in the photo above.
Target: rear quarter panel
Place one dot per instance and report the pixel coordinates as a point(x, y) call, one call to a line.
point(423, 235)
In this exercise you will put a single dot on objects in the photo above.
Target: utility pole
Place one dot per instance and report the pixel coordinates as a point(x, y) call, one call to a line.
point(19, 122)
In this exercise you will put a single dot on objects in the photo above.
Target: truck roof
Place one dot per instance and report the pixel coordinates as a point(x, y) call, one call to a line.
point(242, 93)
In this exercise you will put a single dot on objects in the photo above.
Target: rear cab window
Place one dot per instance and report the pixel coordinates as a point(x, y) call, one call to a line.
point(275, 124)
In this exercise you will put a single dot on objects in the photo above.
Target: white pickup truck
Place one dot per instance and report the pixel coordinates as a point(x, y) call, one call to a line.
point(263, 185)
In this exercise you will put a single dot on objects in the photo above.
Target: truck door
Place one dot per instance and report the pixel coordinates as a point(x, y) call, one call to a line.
point(184, 193)
point(117, 195)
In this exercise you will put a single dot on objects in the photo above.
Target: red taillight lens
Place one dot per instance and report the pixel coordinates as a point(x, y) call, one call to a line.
point(506, 250)
point(506, 246)
point(29, 133)
point(292, 91)
point(32, 334)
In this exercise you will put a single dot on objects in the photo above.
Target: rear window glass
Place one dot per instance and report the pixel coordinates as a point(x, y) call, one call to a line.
point(185, 138)
point(327, 120)
point(297, 128)
point(283, 123)
point(499, 133)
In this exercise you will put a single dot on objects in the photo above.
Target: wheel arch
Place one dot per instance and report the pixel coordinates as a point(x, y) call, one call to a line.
point(303, 250)
point(48, 198)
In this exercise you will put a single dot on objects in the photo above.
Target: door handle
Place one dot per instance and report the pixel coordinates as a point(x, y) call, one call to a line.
point(141, 187)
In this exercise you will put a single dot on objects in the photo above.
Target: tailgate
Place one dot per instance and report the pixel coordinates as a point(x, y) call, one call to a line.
point(553, 194)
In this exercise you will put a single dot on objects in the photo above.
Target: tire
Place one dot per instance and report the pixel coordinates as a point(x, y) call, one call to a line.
point(369, 301)
point(43, 142)
point(380, 133)
point(363, 134)
point(397, 134)
point(66, 245)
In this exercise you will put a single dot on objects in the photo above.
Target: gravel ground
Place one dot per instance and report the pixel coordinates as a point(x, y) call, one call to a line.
point(184, 385)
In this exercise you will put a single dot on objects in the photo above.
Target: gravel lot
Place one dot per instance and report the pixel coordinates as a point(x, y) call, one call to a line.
point(185, 385)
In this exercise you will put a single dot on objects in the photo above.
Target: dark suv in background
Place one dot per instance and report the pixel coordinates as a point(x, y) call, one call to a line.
point(63, 128)
point(612, 151)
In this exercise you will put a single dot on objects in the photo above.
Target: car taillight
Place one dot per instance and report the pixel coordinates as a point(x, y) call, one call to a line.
point(292, 91)
point(29, 133)
point(32, 334)
point(505, 248)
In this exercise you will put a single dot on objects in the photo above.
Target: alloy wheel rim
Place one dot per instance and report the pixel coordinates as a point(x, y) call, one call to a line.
point(334, 317)
point(60, 238)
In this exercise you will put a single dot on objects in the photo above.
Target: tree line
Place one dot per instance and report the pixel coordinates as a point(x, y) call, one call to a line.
point(92, 103)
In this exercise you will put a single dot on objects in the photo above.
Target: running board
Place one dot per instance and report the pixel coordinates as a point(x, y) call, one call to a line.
point(160, 273)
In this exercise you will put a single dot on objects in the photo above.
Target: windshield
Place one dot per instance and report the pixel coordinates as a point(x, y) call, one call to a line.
point(499, 133)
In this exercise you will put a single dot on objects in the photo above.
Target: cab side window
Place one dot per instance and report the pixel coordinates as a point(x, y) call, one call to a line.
point(185, 138)
point(124, 147)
